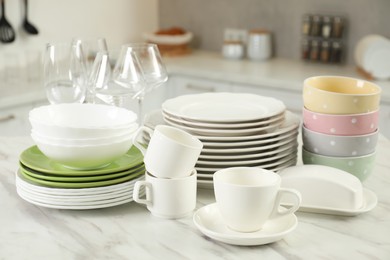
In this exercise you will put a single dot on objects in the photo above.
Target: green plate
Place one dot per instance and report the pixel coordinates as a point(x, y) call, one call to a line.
point(34, 159)
point(81, 185)
point(57, 178)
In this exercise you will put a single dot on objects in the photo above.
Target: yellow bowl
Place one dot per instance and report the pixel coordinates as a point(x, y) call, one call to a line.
point(340, 95)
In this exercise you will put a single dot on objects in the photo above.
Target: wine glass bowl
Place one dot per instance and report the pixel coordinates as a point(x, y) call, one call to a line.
point(65, 75)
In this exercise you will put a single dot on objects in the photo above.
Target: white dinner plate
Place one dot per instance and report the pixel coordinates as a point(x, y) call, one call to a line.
point(266, 165)
point(248, 156)
point(247, 150)
point(291, 123)
point(223, 107)
point(243, 162)
point(227, 132)
point(208, 176)
point(20, 180)
point(250, 143)
point(204, 125)
point(209, 221)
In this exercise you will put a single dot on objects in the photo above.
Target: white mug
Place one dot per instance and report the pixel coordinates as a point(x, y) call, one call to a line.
point(248, 196)
point(171, 153)
point(168, 198)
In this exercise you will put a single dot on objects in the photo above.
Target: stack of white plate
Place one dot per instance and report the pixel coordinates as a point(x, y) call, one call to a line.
point(44, 182)
point(236, 130)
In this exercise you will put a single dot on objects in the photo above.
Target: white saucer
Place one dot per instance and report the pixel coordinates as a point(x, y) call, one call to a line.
point(208, 220)
point(370, 200)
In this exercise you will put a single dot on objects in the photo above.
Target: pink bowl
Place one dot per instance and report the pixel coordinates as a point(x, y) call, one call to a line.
point(346, 124)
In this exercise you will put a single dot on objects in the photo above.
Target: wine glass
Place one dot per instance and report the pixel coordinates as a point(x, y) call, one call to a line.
point(65, 75)
point(116, 76)
point(90, 48)
point(152, 67)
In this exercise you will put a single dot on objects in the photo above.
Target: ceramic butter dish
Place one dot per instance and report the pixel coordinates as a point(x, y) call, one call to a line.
point(328, 190)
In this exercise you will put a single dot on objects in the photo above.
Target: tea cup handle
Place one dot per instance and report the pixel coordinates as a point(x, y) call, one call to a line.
point(148, 189)
point(137, 135)
point(294, 207)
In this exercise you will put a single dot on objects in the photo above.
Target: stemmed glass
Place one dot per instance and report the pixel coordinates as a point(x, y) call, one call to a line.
point(152, 67)
point(65, 75)
point(90, 48)
point(113, 84)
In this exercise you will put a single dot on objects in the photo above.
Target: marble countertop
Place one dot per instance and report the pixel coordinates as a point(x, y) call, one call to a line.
point(130, 232)
point(276, 73)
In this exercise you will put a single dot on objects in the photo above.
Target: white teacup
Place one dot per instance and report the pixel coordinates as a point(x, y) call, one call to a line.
point(171, 153)
point(168, 198)
point(248, 196)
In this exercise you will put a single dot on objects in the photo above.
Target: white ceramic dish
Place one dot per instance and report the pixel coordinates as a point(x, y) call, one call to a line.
point(290, 124)
point(226, 132)
point(168, 39)
point(199, 124)
point(328, 190)
point(265, 159)
point(247, 150)
point(250, 143)
point(223, 107)
point(209, 221)
point(266, 165)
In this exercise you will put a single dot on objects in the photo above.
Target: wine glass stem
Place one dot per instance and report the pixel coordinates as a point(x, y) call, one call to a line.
point(140, 100)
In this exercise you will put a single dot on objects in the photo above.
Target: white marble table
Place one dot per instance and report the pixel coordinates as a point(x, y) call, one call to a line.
point(130, 232)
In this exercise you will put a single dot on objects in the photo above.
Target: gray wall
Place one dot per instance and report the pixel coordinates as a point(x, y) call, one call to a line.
point(207, 19)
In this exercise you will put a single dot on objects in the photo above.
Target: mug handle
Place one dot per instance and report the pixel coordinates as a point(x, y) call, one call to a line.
point(137, 135)
point(148, 189)
point(294, 206)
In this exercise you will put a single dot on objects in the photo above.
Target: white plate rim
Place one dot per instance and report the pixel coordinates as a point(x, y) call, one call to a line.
point(237, 238)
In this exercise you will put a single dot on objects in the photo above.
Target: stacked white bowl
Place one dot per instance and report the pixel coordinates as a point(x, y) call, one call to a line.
point(83, 136)
point(340, 123)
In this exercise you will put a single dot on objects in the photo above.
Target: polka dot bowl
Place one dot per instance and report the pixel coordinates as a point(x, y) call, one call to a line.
point(336, 145)
point(348, 124)
point(359, 166)
point(340, 95)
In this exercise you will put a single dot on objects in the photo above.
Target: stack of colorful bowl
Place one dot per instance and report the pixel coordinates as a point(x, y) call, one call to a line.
point(340, 123)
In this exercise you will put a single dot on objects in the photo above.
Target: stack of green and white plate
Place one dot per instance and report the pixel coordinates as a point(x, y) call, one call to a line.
point(44, 182)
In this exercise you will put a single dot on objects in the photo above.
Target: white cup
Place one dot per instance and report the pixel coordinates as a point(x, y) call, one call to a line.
point(171, 153)
point(168, 198)
point(248, 196)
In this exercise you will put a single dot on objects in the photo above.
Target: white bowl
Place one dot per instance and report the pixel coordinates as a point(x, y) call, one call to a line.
point(80, 121)
point(82, 142)
point(84, 157)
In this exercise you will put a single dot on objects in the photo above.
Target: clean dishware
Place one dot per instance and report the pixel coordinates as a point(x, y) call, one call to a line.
point(339, 145)
point(152, 67)
point(28, 27)
point(340, 95)
point(84, 156)
point(360, 166)
point(116, 77)
point(248, 196)
point(328, 190)
point(223, 107)
point(259, 45)
point(7, 33)
point(209, 221)
point(346, 124)
point(90, 48)
point(171, 153)
point(65, 75)
point(81, 121)
point(168, 198)
point(34, 159)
